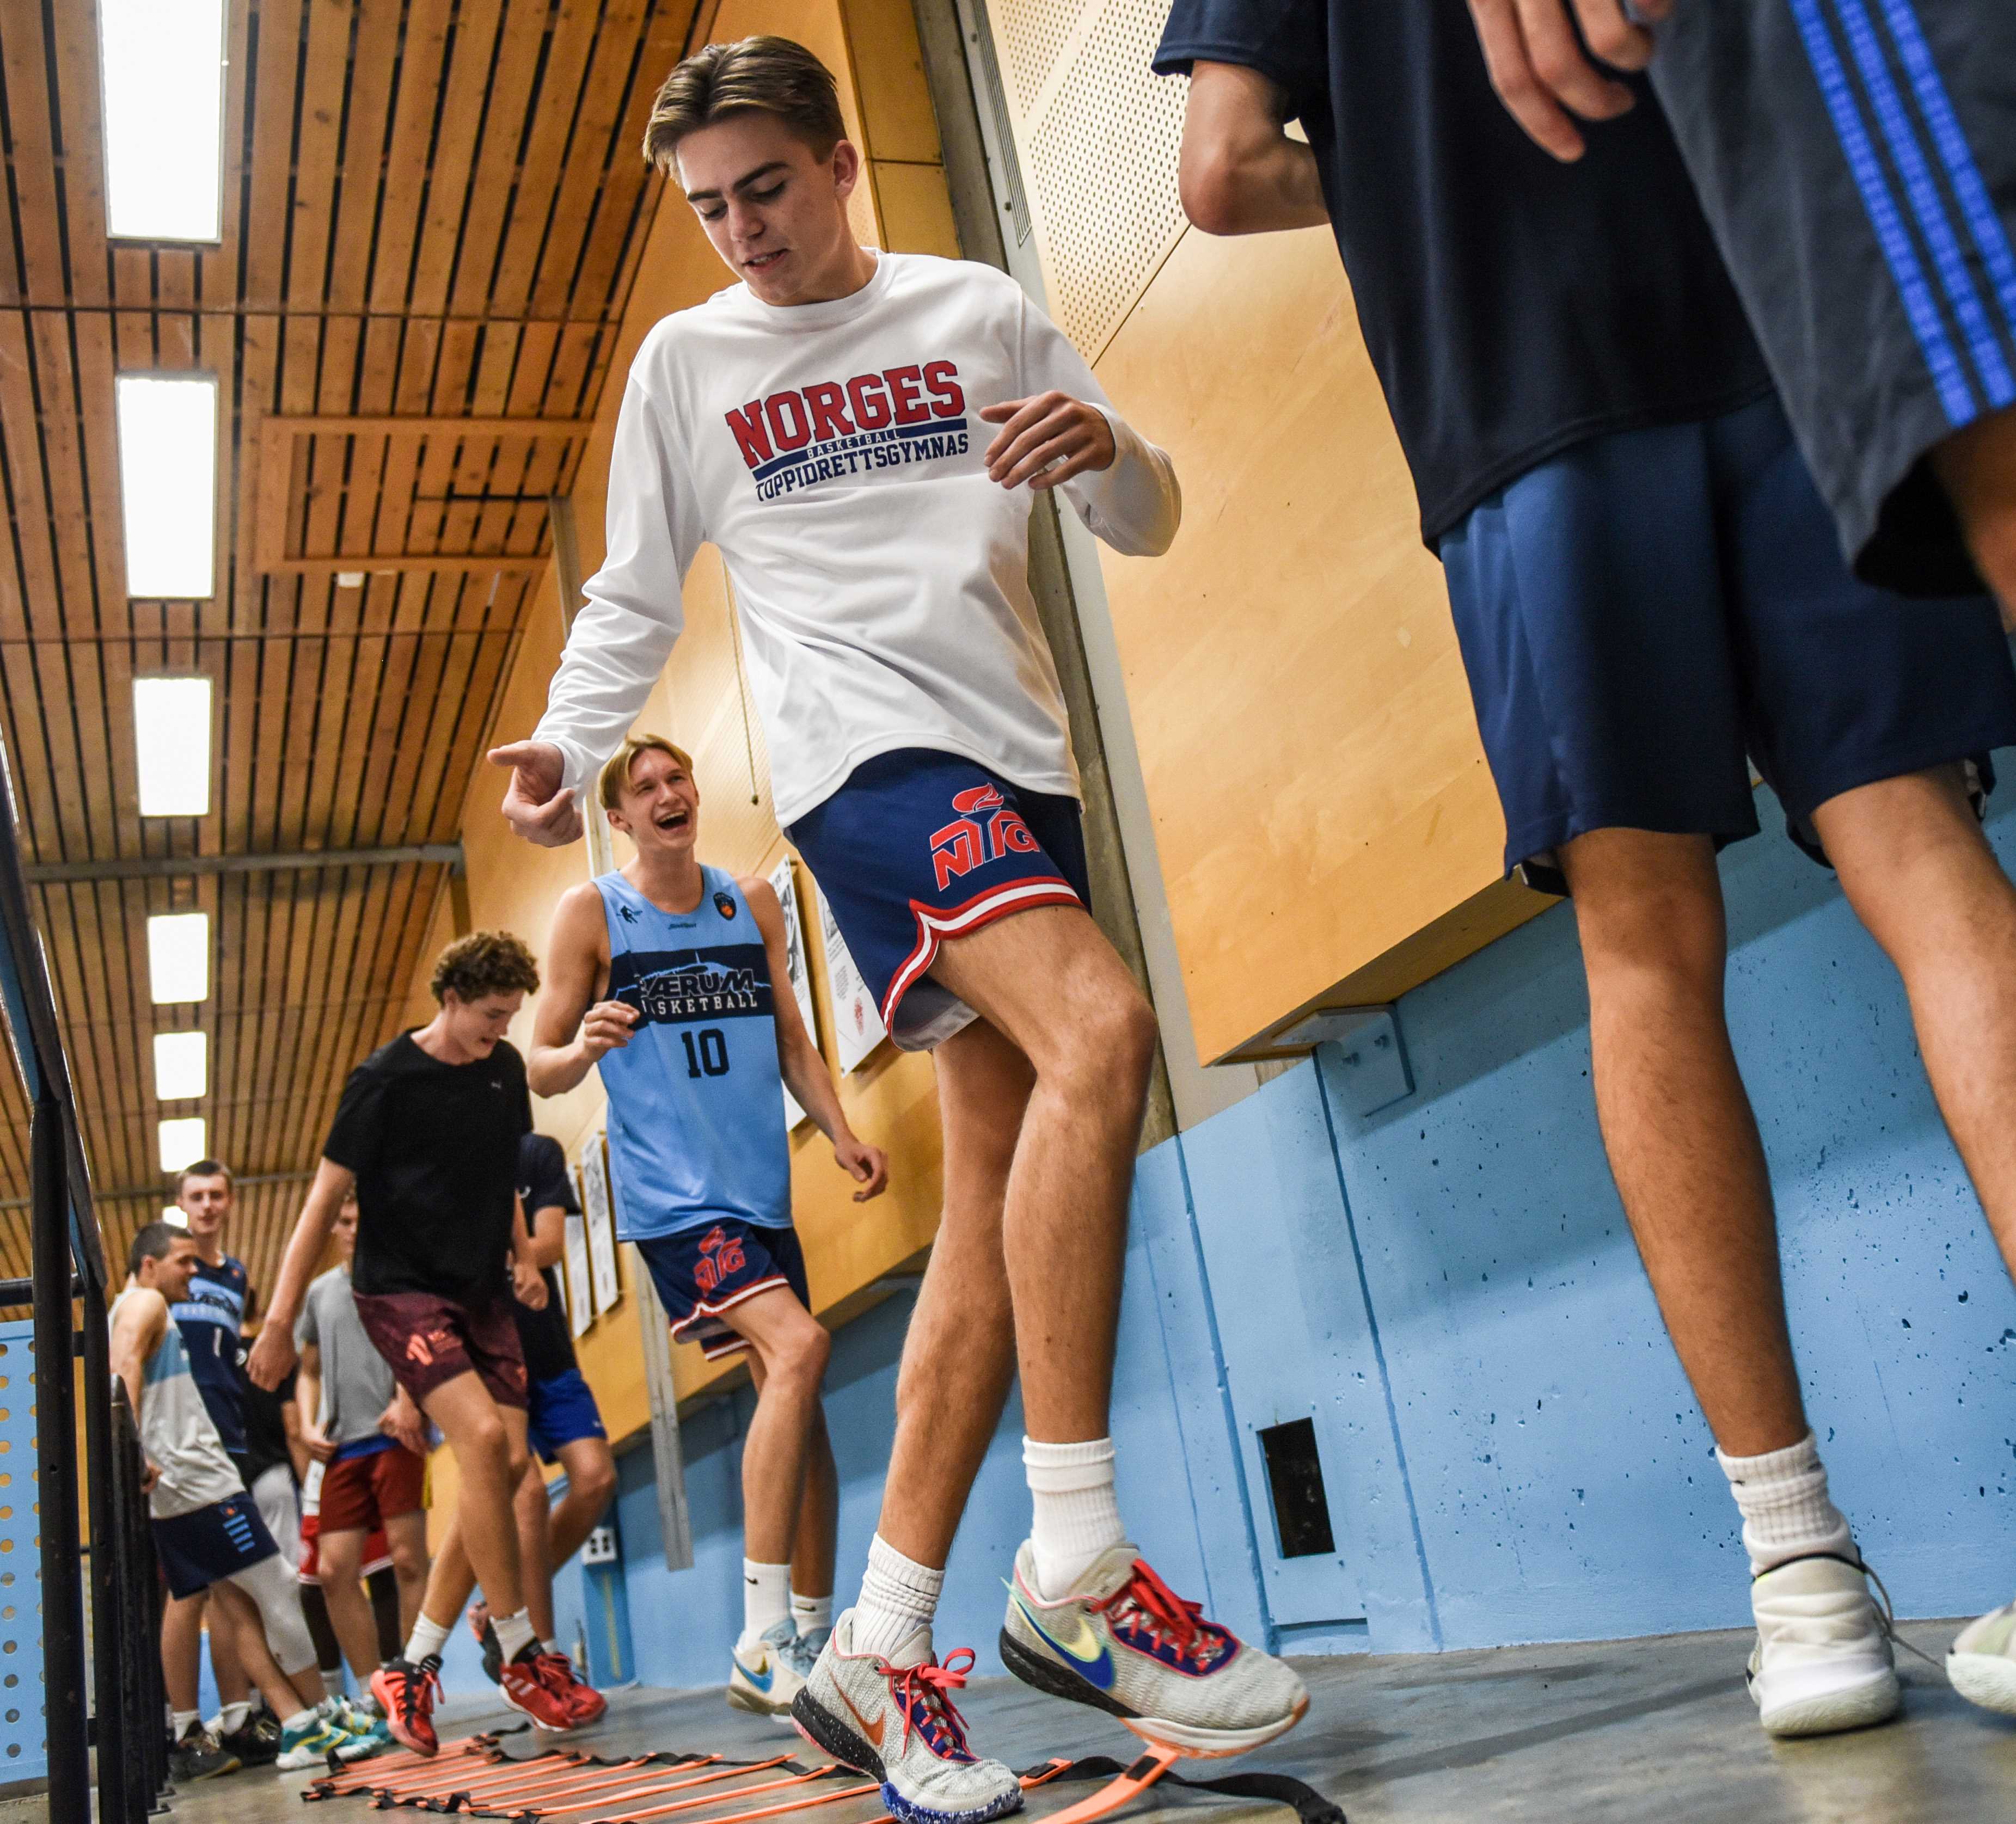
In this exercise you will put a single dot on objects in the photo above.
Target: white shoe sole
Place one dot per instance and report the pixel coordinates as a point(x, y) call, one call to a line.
point(1206, 1744)
point(1827, 1713)
point(1985, 1679)
point(760, 1704)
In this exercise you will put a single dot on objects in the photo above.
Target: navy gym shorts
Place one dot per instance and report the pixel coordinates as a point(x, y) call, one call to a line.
point(1640, 613)
point(919, 845)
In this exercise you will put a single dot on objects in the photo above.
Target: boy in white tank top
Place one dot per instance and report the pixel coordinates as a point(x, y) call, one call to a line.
point(206, 1528)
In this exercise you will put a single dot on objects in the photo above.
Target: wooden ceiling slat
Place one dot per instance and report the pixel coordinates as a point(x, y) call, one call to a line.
point(30, 605)
point(318, 129)
point(218, 276)
point(74, 39)
point(533, 202)
point(407, 163)
point(24, 68)
point(274, 104)
point(479, 240)
point(216, 352)
point(457, 128)
point(601, 108)
point(373, 61)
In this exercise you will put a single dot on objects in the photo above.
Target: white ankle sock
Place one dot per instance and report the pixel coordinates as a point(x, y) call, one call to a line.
point(426, 1641)
point(766, 1600)
point(301, 1719)
point(231, 1719)
point(1787, 1511)
point(1077, 1515)
point(898, 1598)
point(809, 1614)
point(514, 1634)
point(185, 1721)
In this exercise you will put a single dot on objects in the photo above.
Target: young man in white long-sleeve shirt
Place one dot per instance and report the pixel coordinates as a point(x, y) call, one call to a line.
point(822, 423)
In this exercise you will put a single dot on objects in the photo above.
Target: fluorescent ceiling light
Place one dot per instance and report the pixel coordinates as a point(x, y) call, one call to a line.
point(163, 63)
point(181, 1065)
point(184, 1141)
point(178, 957)
point(167, 482)
point(171, 732)
point(173, 1216)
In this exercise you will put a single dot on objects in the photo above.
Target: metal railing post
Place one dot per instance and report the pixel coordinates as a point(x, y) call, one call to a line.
point(112, 1641)
point(56, 1448)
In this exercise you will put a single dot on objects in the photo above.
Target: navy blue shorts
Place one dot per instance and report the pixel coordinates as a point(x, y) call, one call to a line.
point(199, 1548)
point(1643, 611)
point(703, 1272)
point(560, 1410)
point(919, 845)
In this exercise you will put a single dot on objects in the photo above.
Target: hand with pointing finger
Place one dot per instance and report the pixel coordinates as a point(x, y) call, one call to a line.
point(534, 805)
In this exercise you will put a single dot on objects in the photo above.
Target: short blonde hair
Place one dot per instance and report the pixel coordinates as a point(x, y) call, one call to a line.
point(615, 775)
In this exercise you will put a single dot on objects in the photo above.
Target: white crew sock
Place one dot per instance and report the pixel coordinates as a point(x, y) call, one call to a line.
point(766, 1600)
point(426, 1641)
point(898, 1598)
point(1077, 1516)
point(810, 1614)
point(1787, 1512)
point(185, 1721)
point(301, 1719)
point(231, 1719)
point(514, 1633)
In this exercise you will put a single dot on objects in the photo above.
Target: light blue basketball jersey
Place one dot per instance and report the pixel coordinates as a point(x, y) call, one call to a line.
point(695, 1103)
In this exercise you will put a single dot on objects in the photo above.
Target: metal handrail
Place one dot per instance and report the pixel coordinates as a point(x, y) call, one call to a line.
point(68, 1260)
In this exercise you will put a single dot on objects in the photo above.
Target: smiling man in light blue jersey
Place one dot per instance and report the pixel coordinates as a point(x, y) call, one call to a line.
point(662, 973)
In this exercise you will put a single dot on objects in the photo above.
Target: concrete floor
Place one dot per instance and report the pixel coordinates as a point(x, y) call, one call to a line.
point(1607, 1733)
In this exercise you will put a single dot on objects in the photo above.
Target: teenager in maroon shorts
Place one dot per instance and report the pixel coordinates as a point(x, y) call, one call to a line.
point(427, 1132)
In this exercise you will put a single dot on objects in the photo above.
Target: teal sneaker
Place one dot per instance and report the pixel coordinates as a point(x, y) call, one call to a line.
point(354, 1720)
point(312, 1744)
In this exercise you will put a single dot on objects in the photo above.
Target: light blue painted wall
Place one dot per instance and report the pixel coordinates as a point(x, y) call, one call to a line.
point(1448, 1290)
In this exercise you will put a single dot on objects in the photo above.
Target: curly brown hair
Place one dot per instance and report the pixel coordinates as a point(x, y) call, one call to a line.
point(485, 962)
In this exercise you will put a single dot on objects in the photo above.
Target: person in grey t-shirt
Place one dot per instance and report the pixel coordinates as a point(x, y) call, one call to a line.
point(369, 1439)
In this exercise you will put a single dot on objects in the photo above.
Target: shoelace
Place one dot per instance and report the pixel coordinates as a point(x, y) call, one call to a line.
point(1887, 1613)
point(930, 1685)
point(414, 1701)
point(1177, 1623)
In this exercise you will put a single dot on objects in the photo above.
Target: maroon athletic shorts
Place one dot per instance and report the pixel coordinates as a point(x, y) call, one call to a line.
point(429, 1340)
point(359, 1494)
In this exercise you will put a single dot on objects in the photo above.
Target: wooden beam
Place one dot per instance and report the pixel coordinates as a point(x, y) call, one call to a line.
point(503, 564)
point(412, 427)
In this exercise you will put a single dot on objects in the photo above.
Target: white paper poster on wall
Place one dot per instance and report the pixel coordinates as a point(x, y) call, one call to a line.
point(580, 1295)
point(601, 1226)
point(857, 1025)
point(784, 881)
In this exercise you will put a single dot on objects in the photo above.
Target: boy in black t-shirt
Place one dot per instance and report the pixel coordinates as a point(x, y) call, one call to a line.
point(1648, 593)
point(566, 1427)
point(427, 1131)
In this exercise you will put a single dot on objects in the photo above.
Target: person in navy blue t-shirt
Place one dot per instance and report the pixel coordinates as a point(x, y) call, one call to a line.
point(673, 978)
point(1648, 596)
point(211, 1320)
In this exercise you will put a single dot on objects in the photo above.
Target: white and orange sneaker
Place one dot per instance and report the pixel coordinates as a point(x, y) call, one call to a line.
point(898, 1724)
point(1124, 1643)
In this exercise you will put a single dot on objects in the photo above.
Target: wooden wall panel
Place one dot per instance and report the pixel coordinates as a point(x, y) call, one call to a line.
point(1319, 792)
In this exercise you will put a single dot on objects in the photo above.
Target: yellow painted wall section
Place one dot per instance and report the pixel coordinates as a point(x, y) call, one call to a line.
point(702, 702)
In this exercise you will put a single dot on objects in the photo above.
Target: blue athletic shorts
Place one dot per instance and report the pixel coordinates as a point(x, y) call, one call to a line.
point(561, 1409)
point(206, 1546)
point(919, 845)
point(1642, 611)
point(702, 1272)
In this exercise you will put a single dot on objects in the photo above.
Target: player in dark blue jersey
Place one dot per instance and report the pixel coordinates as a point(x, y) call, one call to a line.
point(672, 977)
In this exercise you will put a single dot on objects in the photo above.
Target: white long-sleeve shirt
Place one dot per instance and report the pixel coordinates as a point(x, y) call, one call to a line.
point(833, 453)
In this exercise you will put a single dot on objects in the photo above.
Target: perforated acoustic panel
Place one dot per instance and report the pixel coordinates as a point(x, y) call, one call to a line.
point(1098, 136)
point(24, 1736)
